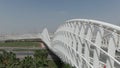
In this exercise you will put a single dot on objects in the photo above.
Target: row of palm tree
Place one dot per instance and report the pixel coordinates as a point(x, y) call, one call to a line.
point(9, 60)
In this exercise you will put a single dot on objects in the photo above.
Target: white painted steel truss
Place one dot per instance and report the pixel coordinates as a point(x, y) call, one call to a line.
point(85, 43)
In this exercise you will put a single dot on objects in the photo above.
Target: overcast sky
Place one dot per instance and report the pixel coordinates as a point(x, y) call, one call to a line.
point(32, 16)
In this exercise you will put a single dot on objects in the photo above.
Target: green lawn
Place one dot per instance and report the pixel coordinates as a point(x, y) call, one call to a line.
point(51, 64)
point(19, 44)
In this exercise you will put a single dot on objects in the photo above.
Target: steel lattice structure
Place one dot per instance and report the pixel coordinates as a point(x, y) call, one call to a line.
point(85, 43)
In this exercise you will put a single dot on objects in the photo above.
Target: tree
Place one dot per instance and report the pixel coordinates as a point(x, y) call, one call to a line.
point(8, 59)
point(27, 62)
point(40, 58)
point(65, 65)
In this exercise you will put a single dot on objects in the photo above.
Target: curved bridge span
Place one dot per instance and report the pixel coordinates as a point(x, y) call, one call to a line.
point(86, 43)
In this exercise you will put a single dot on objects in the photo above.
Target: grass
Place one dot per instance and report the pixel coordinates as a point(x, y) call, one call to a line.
point(19, 44)
point(25, 49)
point(52, 64)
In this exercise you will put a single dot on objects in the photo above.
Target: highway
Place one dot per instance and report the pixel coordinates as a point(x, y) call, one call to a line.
point(21, 52)
point(19, 48)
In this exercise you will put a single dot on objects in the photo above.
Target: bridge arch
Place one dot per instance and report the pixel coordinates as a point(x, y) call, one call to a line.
point(85, 43)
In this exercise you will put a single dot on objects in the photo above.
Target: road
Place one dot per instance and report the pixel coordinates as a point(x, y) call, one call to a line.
point(18, 48)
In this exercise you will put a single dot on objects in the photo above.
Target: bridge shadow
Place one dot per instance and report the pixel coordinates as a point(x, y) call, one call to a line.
point(54, 57)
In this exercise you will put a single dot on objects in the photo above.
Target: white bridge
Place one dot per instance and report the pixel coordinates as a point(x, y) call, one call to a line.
point(86, 43)
point(83, 43)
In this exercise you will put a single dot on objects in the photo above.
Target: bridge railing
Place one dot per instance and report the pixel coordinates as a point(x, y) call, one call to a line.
point(87, 43)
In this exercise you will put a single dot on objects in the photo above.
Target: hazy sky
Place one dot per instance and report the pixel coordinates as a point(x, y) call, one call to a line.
point(28, 16)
